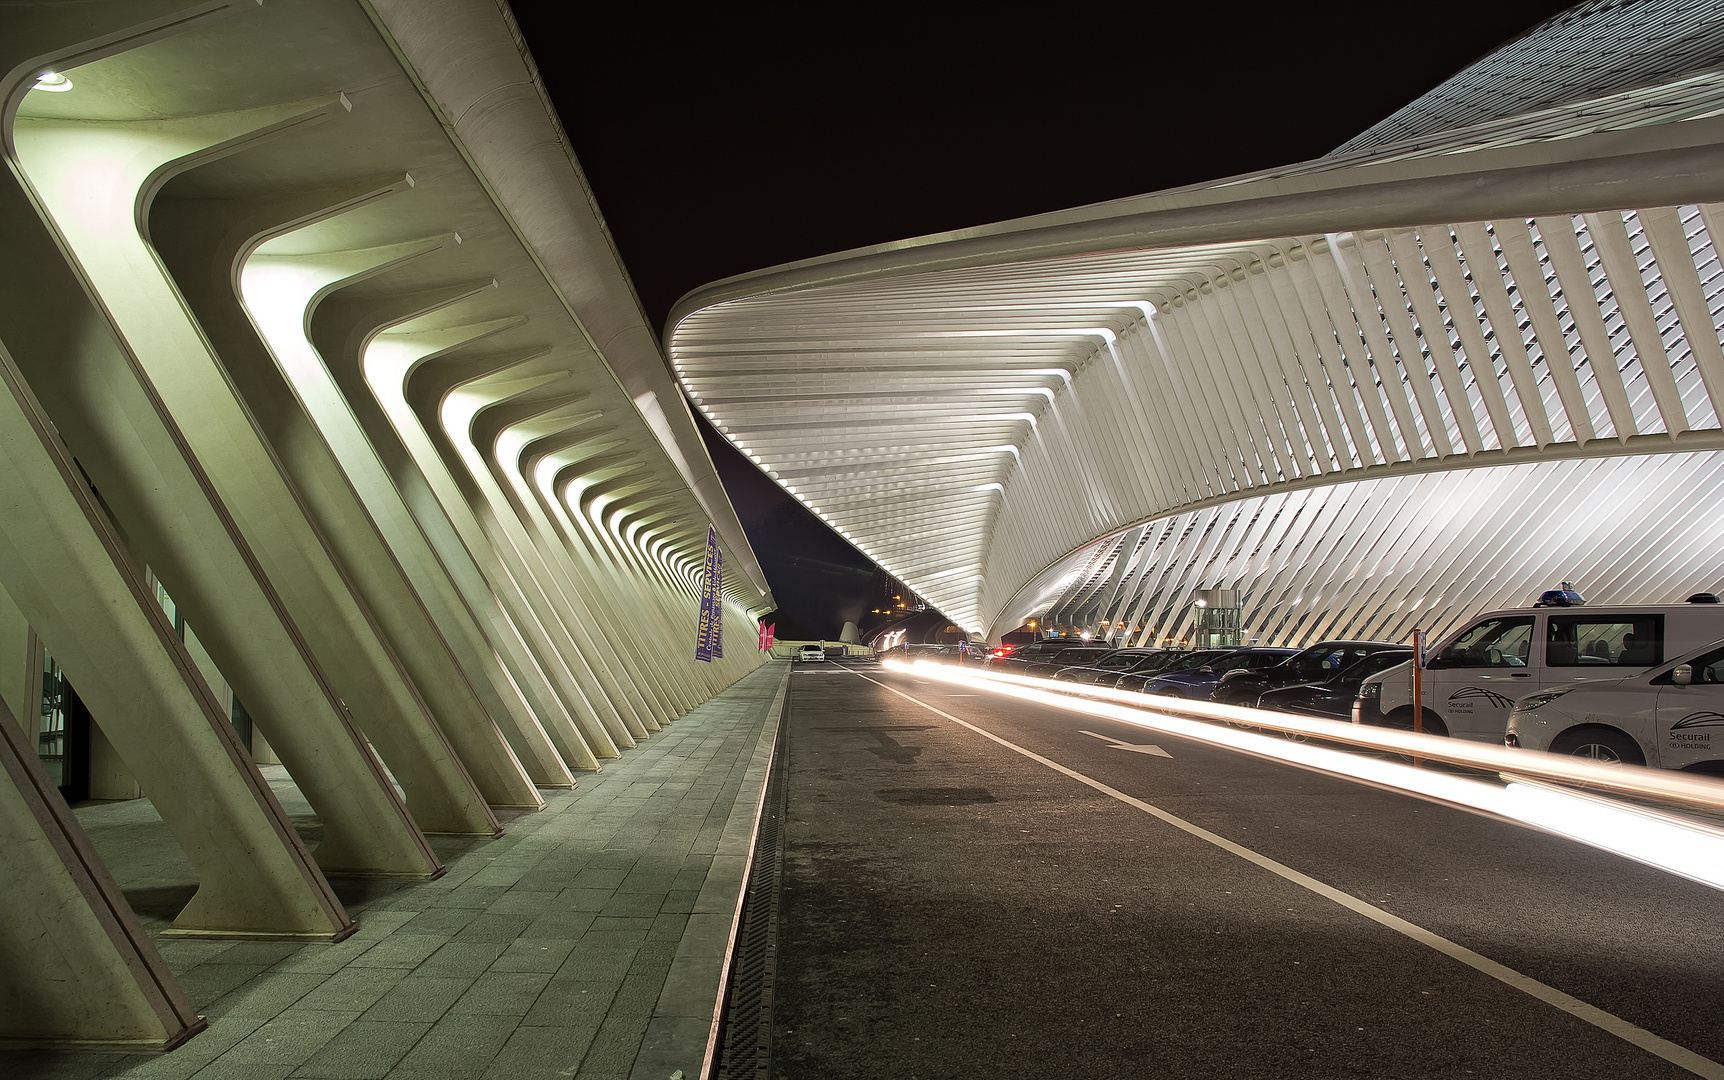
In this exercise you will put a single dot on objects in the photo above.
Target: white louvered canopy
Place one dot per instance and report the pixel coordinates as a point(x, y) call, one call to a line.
point(978, 411)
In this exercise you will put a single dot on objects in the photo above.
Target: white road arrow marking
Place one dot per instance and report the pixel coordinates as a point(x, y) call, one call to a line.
point(1136, 748)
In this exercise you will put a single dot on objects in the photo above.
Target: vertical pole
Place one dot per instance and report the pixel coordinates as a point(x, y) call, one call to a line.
point(1418, 686)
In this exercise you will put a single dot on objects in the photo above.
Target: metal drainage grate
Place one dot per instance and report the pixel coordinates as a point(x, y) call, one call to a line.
point(745, 1036)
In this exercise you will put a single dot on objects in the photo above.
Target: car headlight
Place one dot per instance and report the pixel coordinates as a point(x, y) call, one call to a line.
point(1540, 699)
point(1371, 690)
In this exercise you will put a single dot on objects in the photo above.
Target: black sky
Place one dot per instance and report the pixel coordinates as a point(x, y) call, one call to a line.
point(720, 140)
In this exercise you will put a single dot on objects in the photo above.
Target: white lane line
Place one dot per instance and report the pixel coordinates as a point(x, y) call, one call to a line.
point(1118, 744)
point(1550, 995)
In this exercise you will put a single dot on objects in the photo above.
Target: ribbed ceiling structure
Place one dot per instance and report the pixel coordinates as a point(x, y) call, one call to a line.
point(976, 410)
point(1602, 46)
point(1378, 558)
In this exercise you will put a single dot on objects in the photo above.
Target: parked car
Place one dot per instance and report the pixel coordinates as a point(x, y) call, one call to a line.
point(1110, 667)
point(1007, 652)
point(1671, 717)
point(1177, 661)
point(811, 652)
point(1069, 657)
point(1332, 698)
point(1313, 664)
point(1473, 678)
point(1196, 682)
point(942, 654)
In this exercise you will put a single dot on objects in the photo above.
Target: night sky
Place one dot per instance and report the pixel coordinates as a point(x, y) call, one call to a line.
point(720, 140)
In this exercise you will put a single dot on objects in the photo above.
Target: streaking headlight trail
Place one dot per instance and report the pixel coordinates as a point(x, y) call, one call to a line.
point(1682, 847)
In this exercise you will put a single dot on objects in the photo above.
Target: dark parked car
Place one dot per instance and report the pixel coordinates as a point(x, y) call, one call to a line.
point(1006, 653)
point(1046, 666)
point(1197, 682)
point(1103, 672)
point(1177, 661)
point(1310, 665)
point(1332, 699)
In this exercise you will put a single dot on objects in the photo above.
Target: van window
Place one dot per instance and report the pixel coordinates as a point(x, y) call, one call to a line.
point(1605, 640)
point(1494, 643)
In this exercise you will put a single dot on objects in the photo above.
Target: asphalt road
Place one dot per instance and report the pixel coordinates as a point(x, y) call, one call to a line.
point(955, 908)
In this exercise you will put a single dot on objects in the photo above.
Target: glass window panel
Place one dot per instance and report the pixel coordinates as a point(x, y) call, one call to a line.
point(1609, 640)
point(1495, 643)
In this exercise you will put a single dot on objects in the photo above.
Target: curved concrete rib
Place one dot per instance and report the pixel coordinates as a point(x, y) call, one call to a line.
point(130, 162)
point(203, 244)
point(66, 569)
point(489, 429)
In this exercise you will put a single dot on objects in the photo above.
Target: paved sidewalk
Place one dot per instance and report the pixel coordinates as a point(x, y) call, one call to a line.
point(587, 942)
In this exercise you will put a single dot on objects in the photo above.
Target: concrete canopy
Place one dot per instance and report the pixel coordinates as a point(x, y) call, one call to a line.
point(995, 415)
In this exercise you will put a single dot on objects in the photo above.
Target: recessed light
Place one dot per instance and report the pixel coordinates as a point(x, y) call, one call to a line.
point(53, 82)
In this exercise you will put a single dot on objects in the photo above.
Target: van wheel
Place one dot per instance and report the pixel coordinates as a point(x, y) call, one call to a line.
point(1431, 722)
point(1602, 744)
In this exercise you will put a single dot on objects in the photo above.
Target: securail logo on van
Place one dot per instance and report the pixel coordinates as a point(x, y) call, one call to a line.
point(1684, 736)
point(1471, 695)
point(1699, 719)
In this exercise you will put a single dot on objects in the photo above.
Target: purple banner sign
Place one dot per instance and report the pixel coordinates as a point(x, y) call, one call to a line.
point(709, 633)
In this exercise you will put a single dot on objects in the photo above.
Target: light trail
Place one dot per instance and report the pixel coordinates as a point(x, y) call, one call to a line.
point(1686, 848)
point(1633, 779)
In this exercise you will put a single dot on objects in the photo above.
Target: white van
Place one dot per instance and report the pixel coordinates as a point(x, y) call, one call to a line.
point(1672, 718)
point(1473, 677)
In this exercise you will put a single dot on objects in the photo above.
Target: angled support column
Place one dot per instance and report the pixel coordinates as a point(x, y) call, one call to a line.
point(432, 388)
point(498, 433)
point(104, 407)
point(205, 245)
point(578, 480)
point(80, 970)
point(666, 622)
point(67, 571)
point(638, 657)
point(93, 178)
point(344, 329)
point(607, 640)
point(522, 556)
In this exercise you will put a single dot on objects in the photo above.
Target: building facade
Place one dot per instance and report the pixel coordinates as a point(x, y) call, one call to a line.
point(331, 434)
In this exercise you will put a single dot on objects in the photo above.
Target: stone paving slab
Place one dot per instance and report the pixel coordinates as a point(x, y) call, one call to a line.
point(587, 942)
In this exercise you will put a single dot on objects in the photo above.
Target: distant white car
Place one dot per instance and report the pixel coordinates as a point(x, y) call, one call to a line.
point(811, 652)
point(1671, 717)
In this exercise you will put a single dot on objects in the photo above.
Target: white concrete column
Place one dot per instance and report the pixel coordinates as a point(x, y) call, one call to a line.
point(79, 967)
point(92, 177)
point(174, 523)
point(65, 568)
point(599, 633)
point(451, 522)
point(642, 660)
point(201, 242)
point(521, 554)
